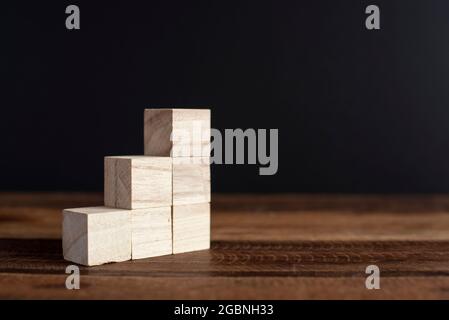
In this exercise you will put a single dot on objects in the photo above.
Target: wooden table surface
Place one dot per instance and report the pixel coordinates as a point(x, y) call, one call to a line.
point(263, 247)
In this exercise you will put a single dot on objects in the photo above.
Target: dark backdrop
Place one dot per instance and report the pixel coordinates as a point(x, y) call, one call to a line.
point(357, 110)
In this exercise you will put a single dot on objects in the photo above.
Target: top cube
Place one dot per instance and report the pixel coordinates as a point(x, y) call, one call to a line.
point(177, 132)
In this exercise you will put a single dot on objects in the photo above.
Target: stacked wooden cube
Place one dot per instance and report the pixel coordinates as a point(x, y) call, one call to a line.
point(155, 204)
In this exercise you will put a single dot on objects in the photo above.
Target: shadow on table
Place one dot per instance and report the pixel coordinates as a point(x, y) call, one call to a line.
point(22, 254)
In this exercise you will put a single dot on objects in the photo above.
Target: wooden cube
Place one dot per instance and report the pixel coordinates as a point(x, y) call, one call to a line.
point(191, 227)
point(191, 180)
point(151, 232)
point(135, 182)
point(96, 235)
point(177, 132)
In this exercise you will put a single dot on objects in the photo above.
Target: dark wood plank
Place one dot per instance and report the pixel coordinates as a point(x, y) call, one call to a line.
point(270, 246)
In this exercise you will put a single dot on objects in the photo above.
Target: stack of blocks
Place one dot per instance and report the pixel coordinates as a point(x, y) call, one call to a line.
point(154, 205)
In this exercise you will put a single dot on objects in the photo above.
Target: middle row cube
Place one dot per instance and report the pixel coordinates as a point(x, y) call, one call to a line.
point(134, 182)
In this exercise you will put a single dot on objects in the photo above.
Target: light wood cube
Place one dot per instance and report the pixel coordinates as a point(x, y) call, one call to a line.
point(135, 182)
point(191, 180)
point(191, 227)
point(96, 235)
point(151, 232)
point(177, 132)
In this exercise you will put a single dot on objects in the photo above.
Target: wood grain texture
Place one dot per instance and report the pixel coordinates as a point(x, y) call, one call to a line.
point(96, 235)
point(158, 127)
point(117, 182)
point(191, 180)
point(134, 182)
point(263, 247)
point(177, 132)
point(191, 227)
point(151, 232)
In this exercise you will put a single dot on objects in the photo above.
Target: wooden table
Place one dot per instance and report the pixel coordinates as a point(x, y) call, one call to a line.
point(263, 247)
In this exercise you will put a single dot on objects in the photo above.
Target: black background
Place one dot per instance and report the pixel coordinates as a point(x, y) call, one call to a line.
point(357, 110)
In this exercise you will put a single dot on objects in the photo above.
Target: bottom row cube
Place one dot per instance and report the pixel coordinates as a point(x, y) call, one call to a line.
point(191, 227)
point(98, 235)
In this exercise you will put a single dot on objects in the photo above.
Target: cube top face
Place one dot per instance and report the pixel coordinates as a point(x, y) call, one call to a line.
point(135, 182)
point(177, 132)
point(88, 211)
point(96, 235)
point(145, 159)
